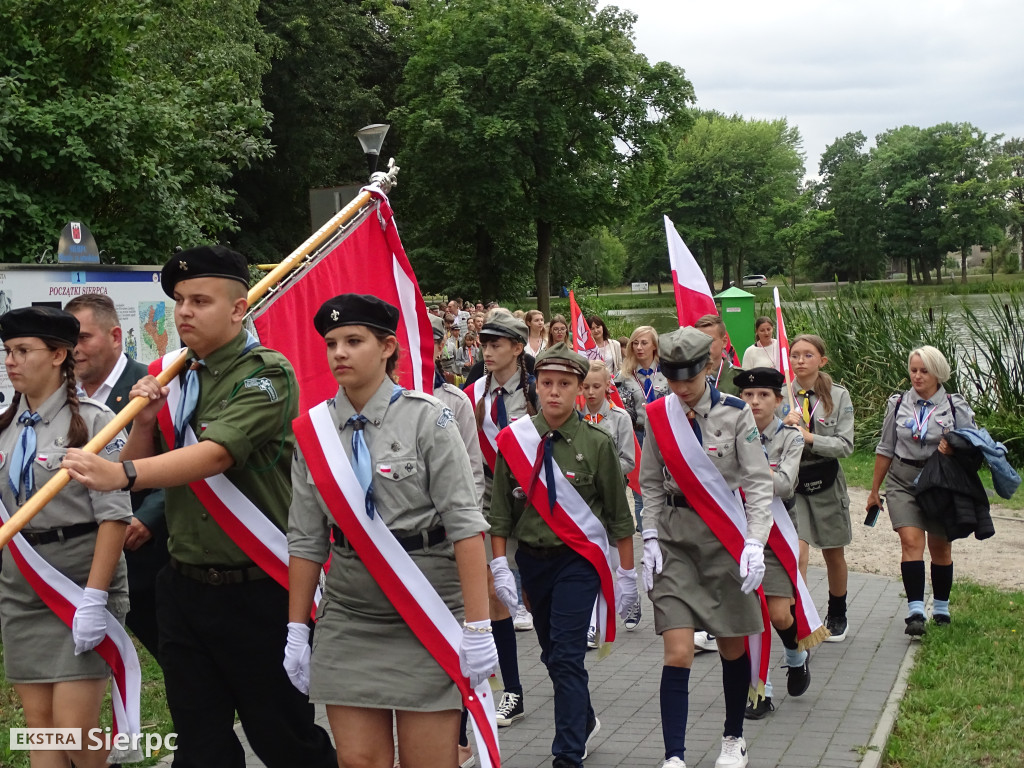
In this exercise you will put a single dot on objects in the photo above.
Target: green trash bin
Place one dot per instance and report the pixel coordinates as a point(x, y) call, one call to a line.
point(737, 309)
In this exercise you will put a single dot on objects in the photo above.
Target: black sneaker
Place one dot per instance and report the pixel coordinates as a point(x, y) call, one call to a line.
point(759, 712)
point(510, 709)
point(942, 619)
point(915, 625)
point(799, 678)
point(593, 727)
point(837, 626)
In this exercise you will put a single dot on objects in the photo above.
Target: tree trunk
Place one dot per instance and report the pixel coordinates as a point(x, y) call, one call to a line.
point(963, 265)
point(709, 264)
point(725, 268)
point(792, 268)
point(542, 267)
point(484, 264)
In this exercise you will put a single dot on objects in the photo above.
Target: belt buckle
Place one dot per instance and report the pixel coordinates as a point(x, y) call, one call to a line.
point(214, 577)
point(60, 535)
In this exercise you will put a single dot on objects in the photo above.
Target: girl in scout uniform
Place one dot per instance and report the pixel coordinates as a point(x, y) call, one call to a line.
point(824, 415)
point(640, 382)
point(761, 390)
point(510, 388)
point(915, 425)
point(56, 674)
point(366, 661)
point(693, 580)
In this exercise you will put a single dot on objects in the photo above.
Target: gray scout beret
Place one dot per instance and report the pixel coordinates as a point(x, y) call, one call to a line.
point(507, 326)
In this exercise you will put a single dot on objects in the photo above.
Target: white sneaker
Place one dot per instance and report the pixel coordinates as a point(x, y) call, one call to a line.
point(734, 753)
point(592, 637)
point(704, 641)
point(591, 733)
point(523, 620)
point(674, 762)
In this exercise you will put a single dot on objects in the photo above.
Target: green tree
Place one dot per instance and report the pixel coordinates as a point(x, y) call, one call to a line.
point(1013, 152)
point(514, 116)
point(800, 229)
point(128, 115)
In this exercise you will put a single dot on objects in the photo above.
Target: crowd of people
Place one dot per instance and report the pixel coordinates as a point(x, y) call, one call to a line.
point(507, 501)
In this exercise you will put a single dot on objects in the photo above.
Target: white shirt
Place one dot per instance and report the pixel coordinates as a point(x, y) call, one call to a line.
point(103, 391)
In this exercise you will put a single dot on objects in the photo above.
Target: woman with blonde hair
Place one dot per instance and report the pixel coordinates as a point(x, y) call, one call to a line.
point(915, 426)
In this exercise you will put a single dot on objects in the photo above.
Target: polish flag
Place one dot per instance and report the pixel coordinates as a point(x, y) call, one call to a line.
point(369, 260)
point(783, 361)
point(693, 297)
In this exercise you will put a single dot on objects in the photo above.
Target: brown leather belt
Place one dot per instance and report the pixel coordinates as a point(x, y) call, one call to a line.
point(219, 577)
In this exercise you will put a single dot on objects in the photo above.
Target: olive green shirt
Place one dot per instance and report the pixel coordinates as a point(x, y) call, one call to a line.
point(587, 457)
point(247, 400)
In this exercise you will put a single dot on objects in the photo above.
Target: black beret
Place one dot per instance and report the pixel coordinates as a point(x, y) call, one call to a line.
point(356, 309)
point(41, 323)
point(759, 378)
point(204, 261)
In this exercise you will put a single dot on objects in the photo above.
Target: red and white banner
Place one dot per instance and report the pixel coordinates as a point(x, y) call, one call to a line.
point(785, 544)
point(489, 431)
point(706, 490)
point(62, 596)
point(693, 296)
point(780, 331)
point(369, 260)
point(253, 532)
point(572, 520)
point(389, 564)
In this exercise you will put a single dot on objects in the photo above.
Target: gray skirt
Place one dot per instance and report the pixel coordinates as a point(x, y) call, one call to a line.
point(823, 520)
point(38, 647)
point(365, 655)
point(901, 500)
point(699, 584)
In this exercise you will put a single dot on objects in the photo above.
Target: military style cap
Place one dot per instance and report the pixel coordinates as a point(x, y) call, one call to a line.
point(41, 323)
point(560, 357)
point(204, 261)
point(356, 309)
point(438, 325)
point(507, 326)
point(683, 353)
point(759, 378)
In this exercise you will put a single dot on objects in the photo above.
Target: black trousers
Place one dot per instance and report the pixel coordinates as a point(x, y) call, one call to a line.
point(221, 649)
point(144, 564)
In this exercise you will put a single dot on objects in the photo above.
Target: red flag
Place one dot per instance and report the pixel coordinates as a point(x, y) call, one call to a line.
point(783, 347)
point(370, 260)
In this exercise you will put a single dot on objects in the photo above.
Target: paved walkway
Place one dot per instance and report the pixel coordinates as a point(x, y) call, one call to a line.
point(829, 726)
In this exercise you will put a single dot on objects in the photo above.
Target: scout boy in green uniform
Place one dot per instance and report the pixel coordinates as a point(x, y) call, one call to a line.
point(222, 619)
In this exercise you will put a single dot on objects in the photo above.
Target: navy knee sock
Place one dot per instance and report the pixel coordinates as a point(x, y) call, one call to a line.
point(788, 636)
point(837, 605)
point(736, 685)
point(942, 581)
point(463, 736)
point(508, 659)
point(913, 585)
point(675, 702)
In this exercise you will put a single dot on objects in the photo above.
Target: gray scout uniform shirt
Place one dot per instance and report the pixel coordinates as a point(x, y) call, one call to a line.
point(422, 476)
point(75, 503)
point(731, 441)
point(632, 392)
point(833, 432)
point(784, 446)
point(616, 422)
point(458, 402)
point(898, 428)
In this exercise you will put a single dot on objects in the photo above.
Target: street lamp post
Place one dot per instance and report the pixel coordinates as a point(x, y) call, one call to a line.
point(371, 138)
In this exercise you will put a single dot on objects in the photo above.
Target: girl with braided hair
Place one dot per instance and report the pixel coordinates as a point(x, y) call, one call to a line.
point(60, 679)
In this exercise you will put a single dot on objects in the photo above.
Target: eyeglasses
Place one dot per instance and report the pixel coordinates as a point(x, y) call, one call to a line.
point(18, 354)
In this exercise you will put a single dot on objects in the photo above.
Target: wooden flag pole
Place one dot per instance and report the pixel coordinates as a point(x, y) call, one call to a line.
point(301, 256)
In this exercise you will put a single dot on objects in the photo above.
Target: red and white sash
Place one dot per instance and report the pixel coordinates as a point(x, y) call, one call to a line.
point(489, 431)
point(706, 490)
point(253, 532)
point(633, 478)
point(572, 520)
point(785, 544)
point(413, 596)
point(62, 596)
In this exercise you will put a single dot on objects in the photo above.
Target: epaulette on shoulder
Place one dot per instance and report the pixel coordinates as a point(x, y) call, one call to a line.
point(733, 402)
point(415, 393)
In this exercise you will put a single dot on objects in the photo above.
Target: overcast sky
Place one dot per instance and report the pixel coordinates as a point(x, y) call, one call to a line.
point(836, 66)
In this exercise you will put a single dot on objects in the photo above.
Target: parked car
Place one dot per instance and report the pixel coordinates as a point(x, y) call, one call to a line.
point(755, 281)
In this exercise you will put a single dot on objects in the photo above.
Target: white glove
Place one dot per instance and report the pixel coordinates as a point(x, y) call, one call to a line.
point(296, 656)
point(89, 626)
point(478, 655)
point(628, 594)
point(505, 583)
point(751, 565)
point(652, 558)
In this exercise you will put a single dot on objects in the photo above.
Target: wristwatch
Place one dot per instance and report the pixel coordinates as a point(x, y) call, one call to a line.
point(129, 472)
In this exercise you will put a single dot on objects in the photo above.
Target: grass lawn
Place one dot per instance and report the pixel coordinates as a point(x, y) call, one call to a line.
point(964, 704)
point(155, 716)
point(860, 469)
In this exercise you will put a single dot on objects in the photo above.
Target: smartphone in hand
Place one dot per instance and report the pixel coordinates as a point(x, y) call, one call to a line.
point(872, 516)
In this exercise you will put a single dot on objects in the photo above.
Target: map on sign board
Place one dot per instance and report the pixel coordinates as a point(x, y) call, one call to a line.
point(158, 332)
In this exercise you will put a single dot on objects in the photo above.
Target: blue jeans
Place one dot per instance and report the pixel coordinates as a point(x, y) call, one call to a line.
point(562, 591)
